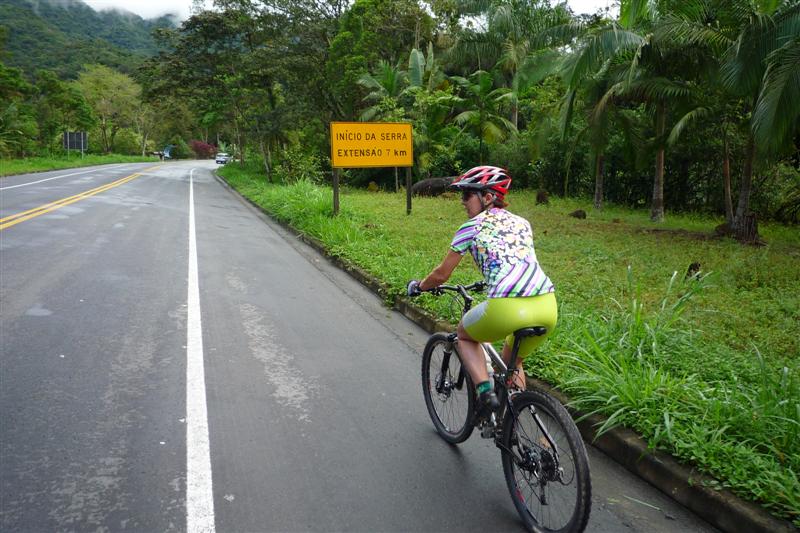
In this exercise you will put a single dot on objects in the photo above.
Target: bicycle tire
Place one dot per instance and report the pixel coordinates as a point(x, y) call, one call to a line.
point(452, 406)
point(525, 450)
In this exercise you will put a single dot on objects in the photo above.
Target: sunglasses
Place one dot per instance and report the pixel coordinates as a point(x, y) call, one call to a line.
point(467, 194)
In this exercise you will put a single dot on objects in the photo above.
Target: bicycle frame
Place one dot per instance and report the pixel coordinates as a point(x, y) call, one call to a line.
point(505, 376)
point(529, 451)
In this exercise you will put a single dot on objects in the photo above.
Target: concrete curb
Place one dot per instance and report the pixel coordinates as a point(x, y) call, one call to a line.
point(721, 508)
point(682, 483)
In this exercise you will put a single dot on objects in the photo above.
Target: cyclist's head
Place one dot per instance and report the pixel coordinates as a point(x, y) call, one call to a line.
point(485, 179)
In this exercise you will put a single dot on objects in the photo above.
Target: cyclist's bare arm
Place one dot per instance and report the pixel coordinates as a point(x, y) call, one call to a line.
point(441, 273)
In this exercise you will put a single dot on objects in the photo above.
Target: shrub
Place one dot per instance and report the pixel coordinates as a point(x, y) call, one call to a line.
point(297, 164)
point(514, 156)
point(202, 150)
point(779, 195)
point(180, 150)
point(467, 150)
point(127, 142)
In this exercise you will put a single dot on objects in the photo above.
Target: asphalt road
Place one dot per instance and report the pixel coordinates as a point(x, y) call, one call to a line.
point(280, 395)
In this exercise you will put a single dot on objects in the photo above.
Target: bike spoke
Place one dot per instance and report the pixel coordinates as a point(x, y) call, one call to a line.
point(544, 475)
point(449, 402)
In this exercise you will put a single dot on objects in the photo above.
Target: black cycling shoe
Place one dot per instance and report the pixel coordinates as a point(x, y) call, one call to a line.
point(487, 404)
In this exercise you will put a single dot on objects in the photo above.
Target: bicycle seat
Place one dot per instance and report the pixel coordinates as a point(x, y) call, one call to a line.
point(535, 331)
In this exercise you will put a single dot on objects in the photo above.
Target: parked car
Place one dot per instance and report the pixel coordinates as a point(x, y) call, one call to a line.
point(222, 158)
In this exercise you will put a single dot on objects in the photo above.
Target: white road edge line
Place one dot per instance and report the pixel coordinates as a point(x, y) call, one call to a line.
point(199, 493)
point(56, 177)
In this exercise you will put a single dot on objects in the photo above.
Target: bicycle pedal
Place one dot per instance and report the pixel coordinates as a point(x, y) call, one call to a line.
point(488, 427)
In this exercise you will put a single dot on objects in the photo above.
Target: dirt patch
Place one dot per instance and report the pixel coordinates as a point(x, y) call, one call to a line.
point(696, 235)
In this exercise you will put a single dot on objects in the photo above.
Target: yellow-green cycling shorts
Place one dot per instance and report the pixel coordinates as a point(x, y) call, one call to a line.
point(496, 318)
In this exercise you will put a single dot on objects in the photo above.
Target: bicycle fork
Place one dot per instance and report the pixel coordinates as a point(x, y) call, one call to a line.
point(444, 383)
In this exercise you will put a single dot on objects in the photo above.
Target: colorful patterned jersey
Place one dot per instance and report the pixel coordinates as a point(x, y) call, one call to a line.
point(501, 244)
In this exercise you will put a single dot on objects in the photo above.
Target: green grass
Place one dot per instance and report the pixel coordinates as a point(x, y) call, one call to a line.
point(707, 369)
point(9, 167)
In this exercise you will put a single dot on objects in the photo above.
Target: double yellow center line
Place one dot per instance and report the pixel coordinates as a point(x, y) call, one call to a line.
point(11, 220)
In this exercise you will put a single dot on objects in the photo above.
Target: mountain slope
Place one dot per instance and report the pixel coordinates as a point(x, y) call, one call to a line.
point(63, 35)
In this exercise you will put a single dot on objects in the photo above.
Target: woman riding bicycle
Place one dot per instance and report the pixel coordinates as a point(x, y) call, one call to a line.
point(519, 293)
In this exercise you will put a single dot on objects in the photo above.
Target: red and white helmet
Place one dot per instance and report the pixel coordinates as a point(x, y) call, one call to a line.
point(484, 178)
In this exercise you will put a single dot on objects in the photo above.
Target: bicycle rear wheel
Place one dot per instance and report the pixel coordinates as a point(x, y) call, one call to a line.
point(545, 464)
point(448, 389)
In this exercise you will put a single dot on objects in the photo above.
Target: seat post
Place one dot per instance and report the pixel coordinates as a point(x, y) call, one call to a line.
point(535, 331)
point(512, 363)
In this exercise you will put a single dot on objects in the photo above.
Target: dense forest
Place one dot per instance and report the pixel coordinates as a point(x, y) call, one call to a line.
point(670, 105)
point(62, 36)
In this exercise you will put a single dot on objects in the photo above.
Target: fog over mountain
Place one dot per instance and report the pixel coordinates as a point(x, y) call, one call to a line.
point(180, 9)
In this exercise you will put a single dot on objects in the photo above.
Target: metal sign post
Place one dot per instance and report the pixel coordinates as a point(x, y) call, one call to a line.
point(371, 144)
point(76, 140)
point(336, 191)
point(408, 190)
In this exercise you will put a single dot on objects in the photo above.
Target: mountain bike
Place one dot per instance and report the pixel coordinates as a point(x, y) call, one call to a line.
point(544, 459)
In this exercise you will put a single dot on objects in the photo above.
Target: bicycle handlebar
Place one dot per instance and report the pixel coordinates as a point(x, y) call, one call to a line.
point(463, 290)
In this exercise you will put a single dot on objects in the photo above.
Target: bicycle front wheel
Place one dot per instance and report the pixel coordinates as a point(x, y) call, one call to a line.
point(545, 464)
point(448, 389)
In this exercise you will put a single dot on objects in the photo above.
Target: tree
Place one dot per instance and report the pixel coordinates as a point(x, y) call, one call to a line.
point(482, 116)
point(519, 41)
point(372, 31)
point(145, 119)
point(700, 25)
point(113, 96)
point(601, 48)
point(230, 64)
point(16, 120)
point(762, 65)
point(597, 109)
point(59, 107)
point(654, 70)
point(757, 46)
point(388, 84)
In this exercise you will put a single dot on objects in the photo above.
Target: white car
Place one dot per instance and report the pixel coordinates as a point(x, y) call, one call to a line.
point(222, 158)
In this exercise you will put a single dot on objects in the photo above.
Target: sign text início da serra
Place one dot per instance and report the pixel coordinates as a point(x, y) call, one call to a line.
point(371, 144)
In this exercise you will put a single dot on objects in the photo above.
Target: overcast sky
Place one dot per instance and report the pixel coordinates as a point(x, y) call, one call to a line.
point(155, 8)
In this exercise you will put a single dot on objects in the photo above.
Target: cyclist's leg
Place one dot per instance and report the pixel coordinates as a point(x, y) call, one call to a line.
point(472, 355)
point(519, 377)
point(474, 359)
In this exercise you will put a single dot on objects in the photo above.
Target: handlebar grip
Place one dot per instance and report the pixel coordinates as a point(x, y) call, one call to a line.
point(477, 286)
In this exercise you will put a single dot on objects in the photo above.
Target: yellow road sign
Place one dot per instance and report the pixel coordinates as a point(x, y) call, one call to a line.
point(371, 144)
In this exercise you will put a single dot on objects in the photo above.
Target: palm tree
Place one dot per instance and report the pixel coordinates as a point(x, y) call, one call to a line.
point(598, 117)
point(655, 88)
point(483, 114)
point(757, 46)
point(593, 74)
point(654, 70)
point(433, 102)
point(388, 84)
point(762, 64)
point(519, 42)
